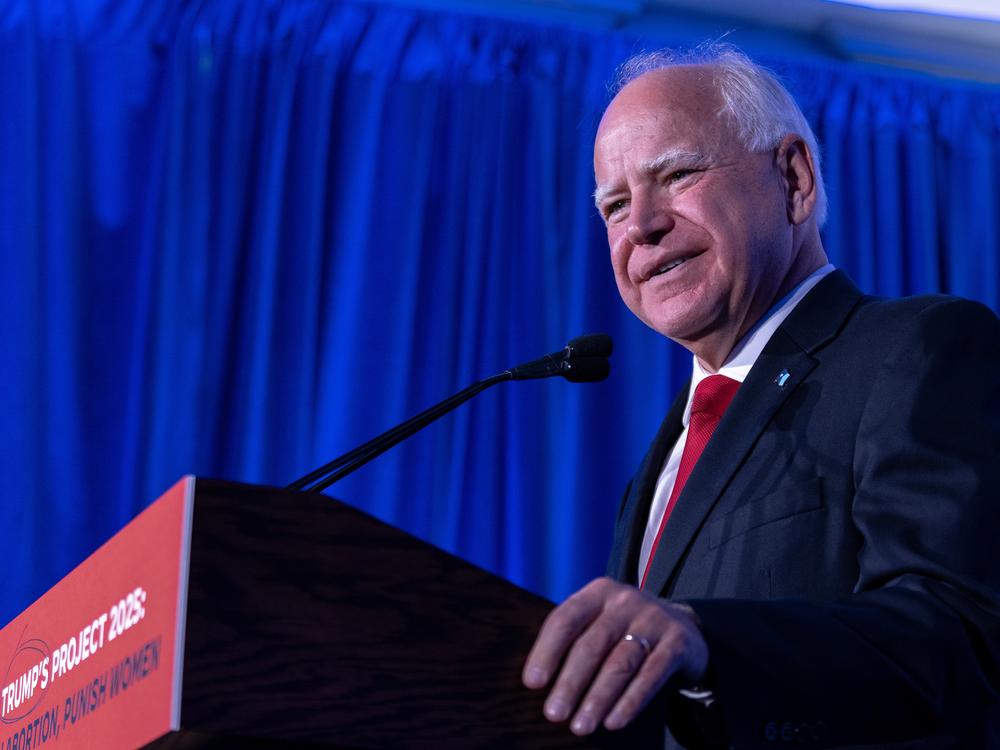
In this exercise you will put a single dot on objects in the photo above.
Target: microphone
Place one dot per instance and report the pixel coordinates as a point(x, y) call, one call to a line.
point(583, 360)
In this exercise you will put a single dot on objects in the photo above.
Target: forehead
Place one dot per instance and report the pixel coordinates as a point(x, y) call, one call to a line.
point(671, 108)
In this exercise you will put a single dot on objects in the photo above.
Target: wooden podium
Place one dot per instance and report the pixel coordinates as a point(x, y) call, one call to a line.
point(238, 616)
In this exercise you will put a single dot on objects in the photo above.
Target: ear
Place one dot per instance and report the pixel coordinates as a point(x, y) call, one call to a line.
point(795, 167)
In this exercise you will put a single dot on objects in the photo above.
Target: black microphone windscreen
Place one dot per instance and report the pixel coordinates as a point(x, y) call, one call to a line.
point(585, 369)
point(591, 345)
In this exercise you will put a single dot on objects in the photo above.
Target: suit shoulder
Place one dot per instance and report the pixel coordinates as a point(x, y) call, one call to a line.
point(928, 311)
point(889, 332)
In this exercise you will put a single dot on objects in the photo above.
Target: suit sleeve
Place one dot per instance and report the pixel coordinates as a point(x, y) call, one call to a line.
point(915, 650)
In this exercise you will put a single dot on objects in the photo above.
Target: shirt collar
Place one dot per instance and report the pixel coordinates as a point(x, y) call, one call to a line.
point(747, 349)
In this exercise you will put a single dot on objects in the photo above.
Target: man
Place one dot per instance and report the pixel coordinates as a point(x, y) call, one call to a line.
point(820, 568)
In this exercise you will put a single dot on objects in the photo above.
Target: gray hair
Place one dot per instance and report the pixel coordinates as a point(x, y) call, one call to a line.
point(753, 97)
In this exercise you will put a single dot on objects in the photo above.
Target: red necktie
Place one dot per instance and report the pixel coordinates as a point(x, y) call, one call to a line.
point(711, 398)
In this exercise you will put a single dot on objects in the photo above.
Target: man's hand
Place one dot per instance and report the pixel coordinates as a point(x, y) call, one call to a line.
point(606, 678)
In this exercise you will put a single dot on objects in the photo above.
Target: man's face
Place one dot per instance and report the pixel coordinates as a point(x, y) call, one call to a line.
point(698, 227)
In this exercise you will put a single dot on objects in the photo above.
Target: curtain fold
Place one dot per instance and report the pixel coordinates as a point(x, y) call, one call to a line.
point(239, 237)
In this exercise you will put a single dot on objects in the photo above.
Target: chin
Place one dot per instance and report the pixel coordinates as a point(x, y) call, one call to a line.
point(671, 329)
point(682, 328)
point(672, 324)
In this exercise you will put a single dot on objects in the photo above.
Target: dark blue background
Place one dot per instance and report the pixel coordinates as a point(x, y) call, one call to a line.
point(239, 237)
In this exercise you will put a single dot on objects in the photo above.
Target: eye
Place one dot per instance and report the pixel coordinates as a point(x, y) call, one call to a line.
point(679, 174)
point(614, 208)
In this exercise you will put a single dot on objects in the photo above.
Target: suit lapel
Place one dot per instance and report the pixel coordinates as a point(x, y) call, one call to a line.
point(783, 364)
point(624, 559)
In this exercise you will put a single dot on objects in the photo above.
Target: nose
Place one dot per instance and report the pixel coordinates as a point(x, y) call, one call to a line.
point(648, 222)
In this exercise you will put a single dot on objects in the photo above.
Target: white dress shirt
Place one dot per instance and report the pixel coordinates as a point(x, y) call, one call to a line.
point(736, 366)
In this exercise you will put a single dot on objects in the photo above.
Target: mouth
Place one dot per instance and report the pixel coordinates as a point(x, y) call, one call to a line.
point(670, 266)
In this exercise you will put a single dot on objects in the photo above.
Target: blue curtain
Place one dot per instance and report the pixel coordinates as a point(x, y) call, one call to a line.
point(238, 237)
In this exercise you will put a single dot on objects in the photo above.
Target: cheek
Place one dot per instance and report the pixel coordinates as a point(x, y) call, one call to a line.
point(619, 255)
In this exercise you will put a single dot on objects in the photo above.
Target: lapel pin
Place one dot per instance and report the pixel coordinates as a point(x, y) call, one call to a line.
point(782, 378)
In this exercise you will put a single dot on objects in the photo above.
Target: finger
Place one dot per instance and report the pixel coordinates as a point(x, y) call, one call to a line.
point(619, 668)
point(681, 649)
point(563, 625)
point(584, 660)
point(662, 662)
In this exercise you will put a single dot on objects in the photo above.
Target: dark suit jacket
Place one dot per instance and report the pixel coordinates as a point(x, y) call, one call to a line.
point(839, 538)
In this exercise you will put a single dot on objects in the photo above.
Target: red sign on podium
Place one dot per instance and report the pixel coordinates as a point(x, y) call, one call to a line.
point(96, 661)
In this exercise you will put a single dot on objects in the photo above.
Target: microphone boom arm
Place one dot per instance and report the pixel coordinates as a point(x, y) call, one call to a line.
point(355, 459)
point(585, 359)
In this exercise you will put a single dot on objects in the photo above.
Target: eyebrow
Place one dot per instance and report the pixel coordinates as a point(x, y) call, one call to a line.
point(666, 161)
point(672, 157)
